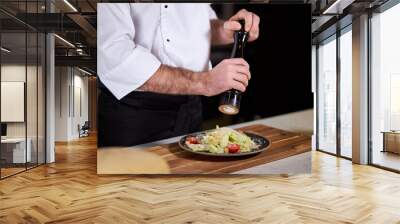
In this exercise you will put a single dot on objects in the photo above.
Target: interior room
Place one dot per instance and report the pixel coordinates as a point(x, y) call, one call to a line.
point(22, 102)
point(334, 76)
point(346, 111)
point(25, 88)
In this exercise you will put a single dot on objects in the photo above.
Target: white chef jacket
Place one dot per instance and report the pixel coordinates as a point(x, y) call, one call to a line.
point(133, 40)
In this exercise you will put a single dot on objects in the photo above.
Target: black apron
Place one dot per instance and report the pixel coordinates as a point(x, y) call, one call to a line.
point(142, 117)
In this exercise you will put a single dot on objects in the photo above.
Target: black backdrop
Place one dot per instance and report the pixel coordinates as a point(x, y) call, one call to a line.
point(280, 64)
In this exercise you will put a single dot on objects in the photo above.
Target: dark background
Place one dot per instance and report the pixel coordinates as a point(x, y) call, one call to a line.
point(280, 64)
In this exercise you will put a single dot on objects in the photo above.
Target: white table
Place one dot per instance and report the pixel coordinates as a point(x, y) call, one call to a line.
point(19, 155)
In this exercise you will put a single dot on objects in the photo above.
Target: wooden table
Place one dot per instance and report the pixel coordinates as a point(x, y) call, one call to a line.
point(283, 145)
point(391, 141)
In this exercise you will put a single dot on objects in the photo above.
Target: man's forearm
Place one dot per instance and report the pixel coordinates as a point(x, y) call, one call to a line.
point(169, 80)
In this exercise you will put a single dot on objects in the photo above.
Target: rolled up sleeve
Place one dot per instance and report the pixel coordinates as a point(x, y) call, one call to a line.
point(211, 13)
point(123, 66)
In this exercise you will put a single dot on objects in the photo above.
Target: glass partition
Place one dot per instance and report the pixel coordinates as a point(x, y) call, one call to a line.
point(22, 91)
point(13, 95)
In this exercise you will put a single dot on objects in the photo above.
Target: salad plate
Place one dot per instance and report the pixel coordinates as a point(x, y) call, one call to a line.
point(224, 142)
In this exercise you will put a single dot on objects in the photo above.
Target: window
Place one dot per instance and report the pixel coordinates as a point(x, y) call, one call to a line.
point(327, 95)
point(334, 106)
point(385, 88)
point(346, 92)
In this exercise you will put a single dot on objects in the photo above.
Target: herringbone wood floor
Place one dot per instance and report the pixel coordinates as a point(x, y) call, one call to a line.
point(69, 191)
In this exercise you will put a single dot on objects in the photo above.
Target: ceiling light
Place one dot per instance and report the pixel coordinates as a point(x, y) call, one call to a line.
point(338, 6)
point(5, 50)
point(70, 5)
point(80, 51)
point(84, 71)
point(65, 41)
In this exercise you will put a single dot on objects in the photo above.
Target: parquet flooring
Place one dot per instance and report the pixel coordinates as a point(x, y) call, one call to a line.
point(11, 170)
point(70, 191)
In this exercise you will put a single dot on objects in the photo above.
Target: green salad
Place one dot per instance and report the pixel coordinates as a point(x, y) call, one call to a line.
point(221, 140)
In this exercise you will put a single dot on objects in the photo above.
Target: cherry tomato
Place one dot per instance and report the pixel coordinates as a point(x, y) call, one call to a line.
point(192, 140)
point(233, 148)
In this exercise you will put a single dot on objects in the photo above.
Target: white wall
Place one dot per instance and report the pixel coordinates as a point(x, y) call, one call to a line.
point(79, 117)
point(62, 81)
point(70, 83)
point(15, 72)
point(33, 126)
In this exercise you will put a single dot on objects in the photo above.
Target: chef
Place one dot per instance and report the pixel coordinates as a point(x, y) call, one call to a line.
point(153, 65)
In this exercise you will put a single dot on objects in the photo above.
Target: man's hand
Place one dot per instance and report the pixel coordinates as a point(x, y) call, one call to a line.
point(229, 74)
point(222, 32)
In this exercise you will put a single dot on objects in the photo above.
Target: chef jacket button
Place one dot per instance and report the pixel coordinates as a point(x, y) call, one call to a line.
point(165, 6)
point(167, 40)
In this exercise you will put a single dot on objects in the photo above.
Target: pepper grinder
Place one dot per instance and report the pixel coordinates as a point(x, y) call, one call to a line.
point(230, 100)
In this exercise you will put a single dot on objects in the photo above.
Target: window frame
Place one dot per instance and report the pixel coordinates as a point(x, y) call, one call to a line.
point(334, 37)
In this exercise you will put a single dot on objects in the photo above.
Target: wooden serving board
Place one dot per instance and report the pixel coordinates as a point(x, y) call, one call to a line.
point(283, 144)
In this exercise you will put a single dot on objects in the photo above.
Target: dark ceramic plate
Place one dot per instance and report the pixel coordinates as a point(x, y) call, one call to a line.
point(262, 145)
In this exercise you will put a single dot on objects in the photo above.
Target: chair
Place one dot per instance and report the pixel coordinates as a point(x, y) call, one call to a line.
point(84, 130)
